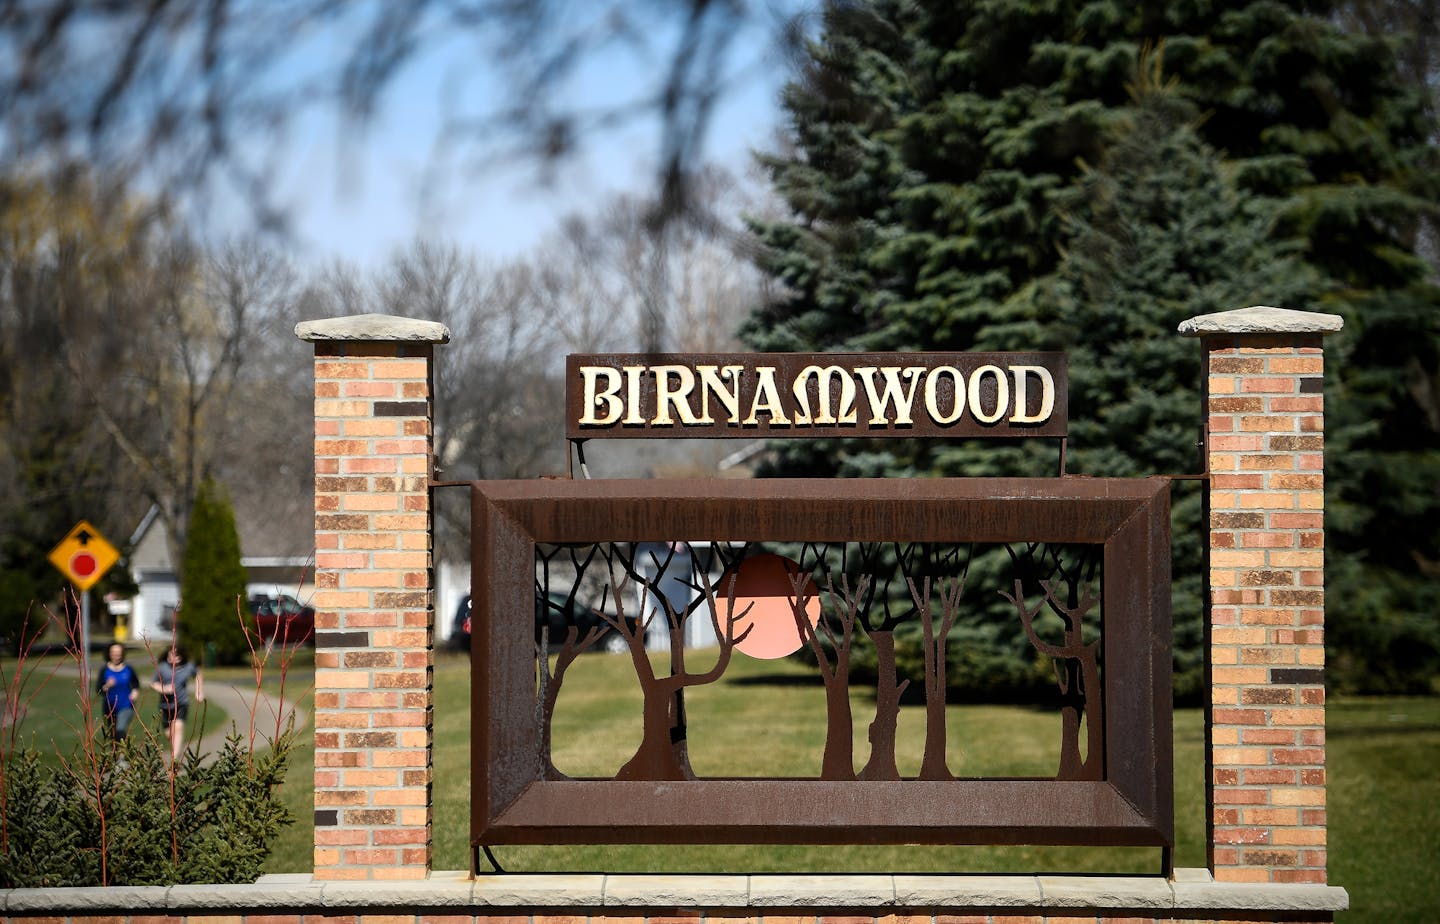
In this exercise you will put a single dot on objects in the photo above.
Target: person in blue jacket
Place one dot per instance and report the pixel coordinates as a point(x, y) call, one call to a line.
point(121, 687)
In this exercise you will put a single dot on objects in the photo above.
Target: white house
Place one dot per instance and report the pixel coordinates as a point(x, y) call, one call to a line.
point(152, 612)
point(268, 574)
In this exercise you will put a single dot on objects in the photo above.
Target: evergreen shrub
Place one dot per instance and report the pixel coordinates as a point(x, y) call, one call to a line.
point(213, 615)
point(120, 814)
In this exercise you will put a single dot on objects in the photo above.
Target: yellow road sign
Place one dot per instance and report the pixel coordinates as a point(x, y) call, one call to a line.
point(84, 555)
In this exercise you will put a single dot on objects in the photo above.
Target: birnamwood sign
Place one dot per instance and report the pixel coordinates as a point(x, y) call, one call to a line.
point(620, 395)
point(831, 566)
point(765, 568)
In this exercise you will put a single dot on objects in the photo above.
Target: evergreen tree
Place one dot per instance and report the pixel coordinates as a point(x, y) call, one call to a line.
point(1160, 233)
point(213, 615)
point(940, 147)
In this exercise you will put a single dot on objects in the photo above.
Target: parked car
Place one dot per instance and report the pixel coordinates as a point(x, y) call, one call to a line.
point(460, 636)
point(283, 619)
point(553, 615)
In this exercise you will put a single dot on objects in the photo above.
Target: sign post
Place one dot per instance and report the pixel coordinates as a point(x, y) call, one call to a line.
point(84, 556)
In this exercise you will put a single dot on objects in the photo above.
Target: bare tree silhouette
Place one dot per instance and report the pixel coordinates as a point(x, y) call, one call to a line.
point(662, 754)
point(838, 762)
point(573, 645)
point(933, 765)
point(181, 90)
point(1077, 669)
point(881, 764)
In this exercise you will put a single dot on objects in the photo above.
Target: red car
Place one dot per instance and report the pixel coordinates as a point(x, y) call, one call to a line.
point(283, 619)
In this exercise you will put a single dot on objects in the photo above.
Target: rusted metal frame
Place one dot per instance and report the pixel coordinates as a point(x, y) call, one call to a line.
point(1137, 580)
point(1079, 510)
point(1133, 805)
point(750, 811)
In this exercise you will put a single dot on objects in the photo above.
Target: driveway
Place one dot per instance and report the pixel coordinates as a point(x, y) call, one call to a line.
point(250, 710)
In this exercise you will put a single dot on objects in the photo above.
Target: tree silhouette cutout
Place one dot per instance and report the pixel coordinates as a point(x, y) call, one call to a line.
point(933, 765)
point(881, 764)
point(1077, 671)
point(550, 682)
point(662, 753)
point(838, 762)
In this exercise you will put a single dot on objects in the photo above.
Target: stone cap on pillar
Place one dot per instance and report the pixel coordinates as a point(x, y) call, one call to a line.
point(1261, 319)
point(373, 328)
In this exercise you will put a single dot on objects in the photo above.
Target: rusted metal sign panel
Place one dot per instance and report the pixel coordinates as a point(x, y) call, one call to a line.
point(629, 395)
point(1118, 792)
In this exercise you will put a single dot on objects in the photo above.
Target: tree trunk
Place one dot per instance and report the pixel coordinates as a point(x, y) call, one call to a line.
point(547, 763)
point(1074, 704)
point(655, 758)
point(839, 759)
point(679, 740)
point(934, 765)
point(881, 765)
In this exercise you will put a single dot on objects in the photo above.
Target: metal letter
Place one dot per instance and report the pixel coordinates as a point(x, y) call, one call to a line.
point(932, 403)
point(678, 398)
point(613, 406)
point(903, 399)
point(632, 389)
point(1002, 394)
point(1047, 394)
point(713, 382)
point(767, 399)
point(823, 376)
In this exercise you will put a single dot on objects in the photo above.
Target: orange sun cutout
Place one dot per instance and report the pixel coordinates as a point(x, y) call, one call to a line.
point(763, 583)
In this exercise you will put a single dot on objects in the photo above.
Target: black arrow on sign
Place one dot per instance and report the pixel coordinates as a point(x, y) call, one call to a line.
point(83, 536)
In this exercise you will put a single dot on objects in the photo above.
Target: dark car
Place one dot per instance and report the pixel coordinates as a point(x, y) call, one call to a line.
point(283, 619)
point(553, 615)
point(460, 637)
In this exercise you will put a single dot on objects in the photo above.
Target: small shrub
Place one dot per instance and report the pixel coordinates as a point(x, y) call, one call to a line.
point(120, 815)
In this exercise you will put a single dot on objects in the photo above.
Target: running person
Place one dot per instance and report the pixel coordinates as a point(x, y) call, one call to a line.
point(172, 682)
point(121, 687)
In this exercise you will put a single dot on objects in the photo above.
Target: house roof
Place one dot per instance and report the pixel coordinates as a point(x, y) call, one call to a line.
point(271, 535)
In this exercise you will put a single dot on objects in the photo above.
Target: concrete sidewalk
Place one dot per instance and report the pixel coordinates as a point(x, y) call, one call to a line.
point(249, 709)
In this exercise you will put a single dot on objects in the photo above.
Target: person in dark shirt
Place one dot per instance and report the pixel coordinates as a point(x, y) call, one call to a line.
point(172, 681)
point(120, 686)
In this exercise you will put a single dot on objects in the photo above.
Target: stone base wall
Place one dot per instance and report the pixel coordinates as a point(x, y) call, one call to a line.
point(674, 916)
point(597, 898)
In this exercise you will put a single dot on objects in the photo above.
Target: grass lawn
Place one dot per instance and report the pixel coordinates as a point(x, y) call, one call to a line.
point(1384, 813)
point(1384, 786)
point(53, 717)
point(759, 721)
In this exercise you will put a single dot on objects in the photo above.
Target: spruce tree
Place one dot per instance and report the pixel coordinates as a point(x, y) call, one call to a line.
point(213, 613)
point(942, 152)
point(1160, 232)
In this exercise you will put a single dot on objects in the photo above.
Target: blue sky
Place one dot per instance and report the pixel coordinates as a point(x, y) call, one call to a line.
point(358, 198)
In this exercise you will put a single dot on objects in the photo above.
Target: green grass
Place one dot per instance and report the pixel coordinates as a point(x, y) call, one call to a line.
point(1384, 784)
point(1384, 775)
point(1384, 806)
point(53, 718)
point(289, 674)
point(759, 721)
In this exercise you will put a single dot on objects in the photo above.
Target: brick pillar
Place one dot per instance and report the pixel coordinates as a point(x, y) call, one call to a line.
point(1265, 722)
point(373, 595)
